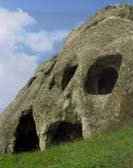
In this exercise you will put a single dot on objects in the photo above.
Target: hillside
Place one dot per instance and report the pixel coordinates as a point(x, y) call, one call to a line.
point(86, 89)
point(76, 110)
point(112, 150)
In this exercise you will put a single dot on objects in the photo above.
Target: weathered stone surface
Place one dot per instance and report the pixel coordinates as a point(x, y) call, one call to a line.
point(86, 89)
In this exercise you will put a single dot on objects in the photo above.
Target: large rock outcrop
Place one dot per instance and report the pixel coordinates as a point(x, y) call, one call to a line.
point(86, 89)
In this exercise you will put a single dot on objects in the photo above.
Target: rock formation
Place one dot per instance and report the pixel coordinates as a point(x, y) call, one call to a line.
point(86, 89)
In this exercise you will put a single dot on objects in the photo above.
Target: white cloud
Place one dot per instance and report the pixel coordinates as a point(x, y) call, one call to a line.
point(14, 21)
point(43, 41)
point(16, 66)
point(13, 74)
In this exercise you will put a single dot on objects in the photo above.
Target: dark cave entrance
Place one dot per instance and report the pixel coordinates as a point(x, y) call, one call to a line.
point(103, 75)
point(103, 82)
point(62, 132)
point(68, 74)
point(26, 136)
point(106, 80)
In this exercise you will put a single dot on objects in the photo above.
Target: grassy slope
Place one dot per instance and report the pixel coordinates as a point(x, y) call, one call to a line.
point(113, 150)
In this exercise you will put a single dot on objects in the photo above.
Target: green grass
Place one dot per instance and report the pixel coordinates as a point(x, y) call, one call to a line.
point(112, 150)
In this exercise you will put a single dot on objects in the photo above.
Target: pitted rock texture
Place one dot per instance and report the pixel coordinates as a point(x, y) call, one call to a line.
point(86, 89)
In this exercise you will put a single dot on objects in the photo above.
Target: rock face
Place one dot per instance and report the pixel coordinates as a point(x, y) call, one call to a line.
point(86, 89)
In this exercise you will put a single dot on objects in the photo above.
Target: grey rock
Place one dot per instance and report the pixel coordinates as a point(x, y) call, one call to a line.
point(85, 90)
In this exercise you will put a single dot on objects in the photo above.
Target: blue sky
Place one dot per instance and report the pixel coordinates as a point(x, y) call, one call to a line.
point(60, 13)
point(59, 5)
point(34, 30)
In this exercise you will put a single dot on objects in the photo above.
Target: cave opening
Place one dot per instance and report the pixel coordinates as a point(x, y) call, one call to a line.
point(26, 135)
point(103, 82)
point(103, 75)
point(63, 132)
point(106, 81)
point(68, 75)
